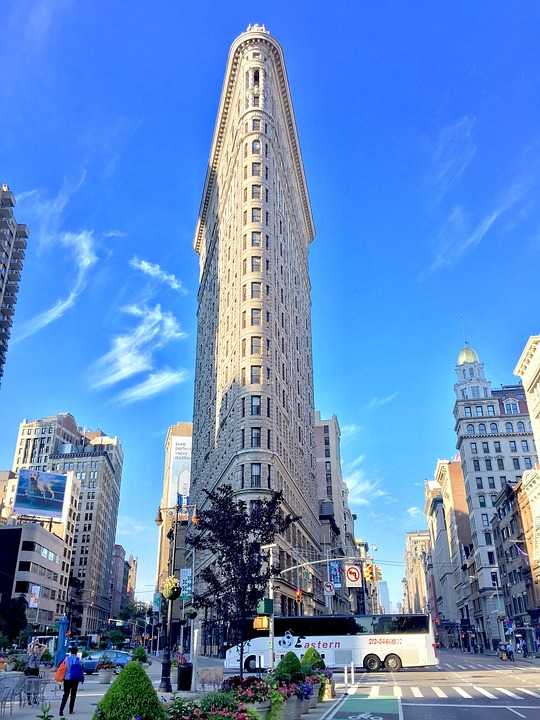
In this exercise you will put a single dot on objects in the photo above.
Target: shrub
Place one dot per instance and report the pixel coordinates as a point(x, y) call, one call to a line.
point(182, 709)
point(312, 661)
point(289, 668)
point(248, 690)
point(139, 654)
point(218, 701)
point(130, 695)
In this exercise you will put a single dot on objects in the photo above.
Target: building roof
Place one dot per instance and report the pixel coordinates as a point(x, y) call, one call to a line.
point(467, 355)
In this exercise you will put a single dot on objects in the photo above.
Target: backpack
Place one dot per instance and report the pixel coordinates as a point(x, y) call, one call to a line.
point(75, 669)
point(60, 673)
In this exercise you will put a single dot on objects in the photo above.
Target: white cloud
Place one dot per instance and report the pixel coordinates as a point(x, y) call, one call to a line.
point(363, 491)
point(356, 462)
point(377, 402)
point(133, 352)
point(44, 217)
point(128, 526)
point(114, 234)
point(349, 430)
point(414, 512)
point(154, 384)
point(155, 271)
point(454, 152)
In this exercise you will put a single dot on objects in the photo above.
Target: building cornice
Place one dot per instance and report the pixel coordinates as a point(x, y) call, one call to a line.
point(252, 37)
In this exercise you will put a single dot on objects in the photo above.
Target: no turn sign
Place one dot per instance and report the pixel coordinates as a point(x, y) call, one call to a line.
point(329, 589)
point(353, 576)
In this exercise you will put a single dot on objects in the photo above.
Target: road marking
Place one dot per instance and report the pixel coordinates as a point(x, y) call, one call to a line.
point(439, 693)
point(463, 693)
point(450, 667)
point(513, 710)
point(467, 705)
point(462, 667)
point(374, 692)
point(416, 692)
point(397, 691)
point(528, 692)
point(509, 693)
point(485, 693)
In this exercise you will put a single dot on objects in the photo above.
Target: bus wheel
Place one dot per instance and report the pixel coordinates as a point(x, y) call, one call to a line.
point(372, 663)
point(392, 663)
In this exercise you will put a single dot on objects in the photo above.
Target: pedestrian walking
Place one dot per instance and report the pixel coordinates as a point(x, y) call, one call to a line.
point(73, 675)
point(525, 650)
point(32, 671)
point(510, 652)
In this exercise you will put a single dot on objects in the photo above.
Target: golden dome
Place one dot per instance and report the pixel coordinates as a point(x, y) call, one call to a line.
point(467, 355)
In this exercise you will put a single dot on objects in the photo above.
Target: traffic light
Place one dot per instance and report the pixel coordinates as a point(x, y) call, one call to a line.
point(298, 596)
point(368, 573)
point(378, 573)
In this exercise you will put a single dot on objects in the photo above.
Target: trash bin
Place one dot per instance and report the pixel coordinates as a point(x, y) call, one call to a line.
point(185, 673)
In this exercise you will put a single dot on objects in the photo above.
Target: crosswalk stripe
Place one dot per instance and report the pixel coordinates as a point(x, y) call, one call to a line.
point(374, 692)
point(463, 693)
point(397, 691)
point(439, 693)
point(528, 692)
point(416, 692)
point(509, 693)
point(462, 667)
point(485, 693)
point(447, 665)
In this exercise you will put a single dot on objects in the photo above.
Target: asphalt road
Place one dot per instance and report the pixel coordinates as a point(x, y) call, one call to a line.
point(463, 686)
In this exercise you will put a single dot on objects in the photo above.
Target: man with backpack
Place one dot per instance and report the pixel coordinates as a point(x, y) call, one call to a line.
point(73, 673)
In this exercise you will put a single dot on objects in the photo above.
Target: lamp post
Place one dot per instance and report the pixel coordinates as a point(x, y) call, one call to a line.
point(165, 682)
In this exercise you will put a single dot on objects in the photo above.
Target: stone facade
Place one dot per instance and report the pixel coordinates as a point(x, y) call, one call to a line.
point(415, 592)
point(496, 447)
point(57, 444)
point(253, 409)
point(13, 239)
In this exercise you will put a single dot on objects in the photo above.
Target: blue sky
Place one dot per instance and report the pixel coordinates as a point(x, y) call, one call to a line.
point(419, 130)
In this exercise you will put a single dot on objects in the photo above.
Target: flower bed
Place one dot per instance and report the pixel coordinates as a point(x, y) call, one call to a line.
point(290, 690)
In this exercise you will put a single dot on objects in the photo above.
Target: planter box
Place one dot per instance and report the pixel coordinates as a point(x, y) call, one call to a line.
point(105, 676)
point(289, 709)
point(314, 699)
point(262, 709)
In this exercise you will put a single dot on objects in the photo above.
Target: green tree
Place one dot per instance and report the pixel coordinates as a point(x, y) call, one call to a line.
point(234, 533)
point(13, 621)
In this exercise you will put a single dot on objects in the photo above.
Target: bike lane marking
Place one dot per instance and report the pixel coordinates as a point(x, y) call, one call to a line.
point(358, 707)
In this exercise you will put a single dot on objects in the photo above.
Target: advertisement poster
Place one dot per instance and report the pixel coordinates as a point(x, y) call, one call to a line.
point(35, 591)
point(185, 583)
point(179, 470)
point(334, 568)
point(40, 494)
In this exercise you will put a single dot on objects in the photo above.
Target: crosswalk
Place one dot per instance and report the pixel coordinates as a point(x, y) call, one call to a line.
point(443, 667)
point(469, 692)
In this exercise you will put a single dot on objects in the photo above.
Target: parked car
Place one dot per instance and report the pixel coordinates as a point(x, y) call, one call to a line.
point(90, 662)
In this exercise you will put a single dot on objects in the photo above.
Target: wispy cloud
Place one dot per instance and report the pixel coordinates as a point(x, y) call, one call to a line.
point(133, 352)
point(458, 236)
point(45, 216)
point(362, 490)
point(377, 402)
point(454, 151)
point(128, 526)
point(414, 512)
point(155, 271)
point(114, 234)
point(356, 462)
point(155, 384)
point(349, 430)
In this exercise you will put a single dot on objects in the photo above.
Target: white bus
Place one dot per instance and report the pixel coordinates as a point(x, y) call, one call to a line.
point(371, 642)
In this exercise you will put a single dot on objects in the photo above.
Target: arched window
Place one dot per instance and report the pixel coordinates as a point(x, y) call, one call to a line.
point(482, 428)
point(509, 427)
point(521, 426)
point(256, 147)
point(470, 429)
point(511, 407)
point(493, 428)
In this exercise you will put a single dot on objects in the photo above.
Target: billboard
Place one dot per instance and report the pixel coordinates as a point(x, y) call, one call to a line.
point(179, 470)
point(40, 494)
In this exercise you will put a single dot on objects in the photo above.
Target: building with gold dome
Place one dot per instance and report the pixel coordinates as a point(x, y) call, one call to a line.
point(496, 446)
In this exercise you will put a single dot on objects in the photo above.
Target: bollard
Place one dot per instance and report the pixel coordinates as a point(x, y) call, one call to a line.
point(345, 675)
point(352, 673)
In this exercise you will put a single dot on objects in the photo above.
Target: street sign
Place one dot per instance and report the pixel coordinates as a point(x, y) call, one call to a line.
point(334, 572)
point(329, 589)
point(353, 576)
point(156, 602)
point(185, 584)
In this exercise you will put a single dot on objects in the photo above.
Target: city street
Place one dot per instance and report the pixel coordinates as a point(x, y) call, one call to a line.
point(462, 686)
